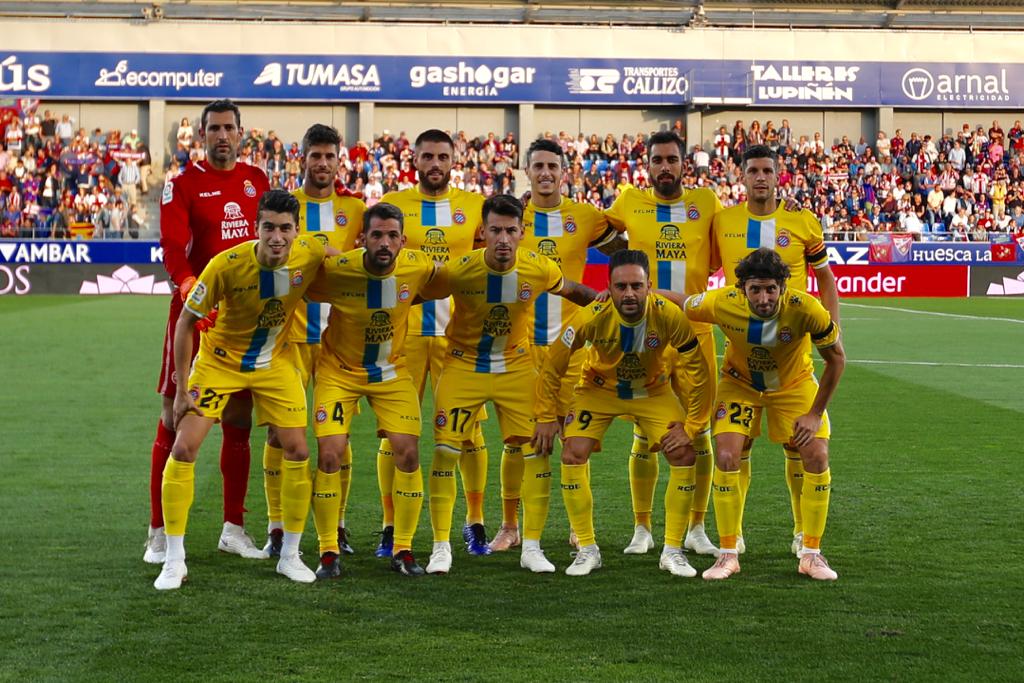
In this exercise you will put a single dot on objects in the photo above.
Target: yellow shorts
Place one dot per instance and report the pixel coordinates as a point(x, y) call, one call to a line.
point(277, 391)
point(425, 355)
point(594, 409)
point(306, 356)
point(336, 397)
point(739, 409)
point(572, 375)
point(461, 393)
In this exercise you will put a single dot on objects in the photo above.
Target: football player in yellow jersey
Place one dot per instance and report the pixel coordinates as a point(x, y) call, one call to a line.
point(488, 359)
point(335, 221)
point(672, 226)
point(370, 291)
point(257, 286)
point(762, 222)
point(563, 230)
point(632, 347)
point(443, 222)
point(766, 367)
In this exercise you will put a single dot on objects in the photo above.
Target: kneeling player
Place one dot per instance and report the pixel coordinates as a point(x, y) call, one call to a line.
point(632, 343)
point(765, 367)
point(370, 291)
point(257, 285)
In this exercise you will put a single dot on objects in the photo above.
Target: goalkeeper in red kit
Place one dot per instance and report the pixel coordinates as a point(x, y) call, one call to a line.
point(210, 207)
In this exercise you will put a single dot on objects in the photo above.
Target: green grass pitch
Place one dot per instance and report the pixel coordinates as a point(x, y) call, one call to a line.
point(924, 531)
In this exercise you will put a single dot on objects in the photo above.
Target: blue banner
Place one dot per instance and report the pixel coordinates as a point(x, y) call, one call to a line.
point(389, 78)
point(921, 253)
point(80, 251)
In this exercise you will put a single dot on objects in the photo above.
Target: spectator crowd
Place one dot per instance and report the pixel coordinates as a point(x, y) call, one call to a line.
point(56, 178)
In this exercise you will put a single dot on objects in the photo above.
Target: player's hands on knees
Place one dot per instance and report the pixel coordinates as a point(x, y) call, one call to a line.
point(544, 435)
point(675, 439)
point(184, 404)
point(804, 429)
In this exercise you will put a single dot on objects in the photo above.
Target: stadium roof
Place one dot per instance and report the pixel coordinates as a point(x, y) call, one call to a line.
point(796, 14)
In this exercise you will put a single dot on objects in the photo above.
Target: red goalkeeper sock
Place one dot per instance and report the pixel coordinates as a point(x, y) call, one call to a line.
point(234, 466)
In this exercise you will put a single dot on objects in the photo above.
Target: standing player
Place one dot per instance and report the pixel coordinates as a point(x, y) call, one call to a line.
point(257, 285)
point(207, 209)
point(563, 230)
point(762, 222)
point(334, 220)
point(673, 227)
point(489, 360)
point(370, 291)
point(442, 222)
point(766, 366)
point(632, 345)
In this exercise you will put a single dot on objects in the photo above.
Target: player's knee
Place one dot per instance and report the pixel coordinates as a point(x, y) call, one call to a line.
point(682, 457)
point(184, 450)
point(573, 453)
point(815, 456)
point(727, 458)
point(272, 440)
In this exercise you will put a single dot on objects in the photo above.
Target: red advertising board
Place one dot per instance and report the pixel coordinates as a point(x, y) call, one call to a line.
point(899, 280)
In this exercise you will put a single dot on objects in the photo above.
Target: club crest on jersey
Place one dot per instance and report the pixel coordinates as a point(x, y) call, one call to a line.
point(321, 414)
point(783, 239)
point(785, 335)
point(459, 217)
point(441, 419)
point(193, 391)
point(296, 278)
point(249, 189)
point(403, 292)
point(652, 340)
point(570, 224)
point(341, 219)
point(168, 196)
point(525, 292)
point(569, 418)
point(720, 413)
point(692, 213)
point(568, 336)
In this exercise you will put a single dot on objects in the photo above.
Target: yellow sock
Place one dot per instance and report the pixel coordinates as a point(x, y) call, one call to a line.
point(326, 491)
point(678, 499)
point(272, 482)
point(704, 468)
point(408, 497)
point(473, 467)
point(511, 484)
point(442, 490)
point(643, 479)
point(814, 506)
point(744, 484)
point(345, 483)
point(176, 493)
point(727, 507)
point(296, 490)
point(536, 493)
point(579, 501)
point(386, 480)
point(795, 482)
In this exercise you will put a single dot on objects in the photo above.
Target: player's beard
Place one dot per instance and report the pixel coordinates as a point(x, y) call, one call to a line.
point(432, 187)
point(382, 259)
point(668, 188)
point(222, 155)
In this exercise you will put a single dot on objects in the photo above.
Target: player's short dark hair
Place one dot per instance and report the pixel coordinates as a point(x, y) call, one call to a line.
point(320, 134)
point(629, 257)
point(762, 264)
point(759, 152)
point(220, 106)
point(383, 211)
point(279, 201)
point(664, 137)
point(545, 145)
point(433, 135)
point(503, 205)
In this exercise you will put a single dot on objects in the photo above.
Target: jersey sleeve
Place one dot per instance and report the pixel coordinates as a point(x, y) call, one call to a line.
point(823, 330)
point(439, 285)
point(616, 213)
point(208, 290)
point(814, 242)
point(553, 279)
point(701, 307)
point(715, 261)
point(175, 233)
point(318, 290)
point(680, 334)
point(601, 231)
point(553, 369)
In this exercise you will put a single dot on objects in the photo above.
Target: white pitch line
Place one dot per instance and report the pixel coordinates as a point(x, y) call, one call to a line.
point(934, 363)
point(943, 315)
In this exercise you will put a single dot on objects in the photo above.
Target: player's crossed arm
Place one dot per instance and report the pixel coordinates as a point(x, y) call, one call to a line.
point(554, 367)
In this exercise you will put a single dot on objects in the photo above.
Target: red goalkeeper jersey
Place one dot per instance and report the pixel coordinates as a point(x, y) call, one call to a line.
point(205, 211)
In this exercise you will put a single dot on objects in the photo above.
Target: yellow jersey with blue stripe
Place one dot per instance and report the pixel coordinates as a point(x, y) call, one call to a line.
point(490, 320)
point(369, 313)
point(334, 221)
point(563, 234)
point(443, 227)
point(766, 354)
point(630, 359)
point(255, 303)
point(795, 235)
